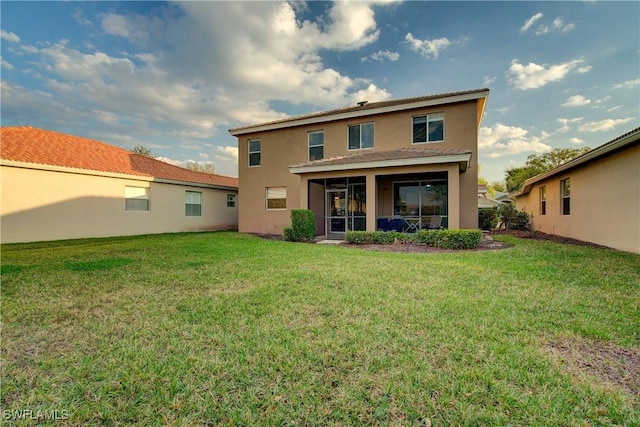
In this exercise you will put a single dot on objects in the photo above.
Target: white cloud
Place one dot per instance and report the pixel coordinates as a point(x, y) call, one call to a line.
point(566, 122)
point(10, 37)
point(502, 140)
point(558, 25)
point(381, 56)
point(188, 76)
point(488, 81)
point(604, 125)
point(532, 75)
point(529, 22)
point(576, 141)
point(269, 42)
point(6, 65)
point(430, 48)
point(576, 101)
point(629, 84)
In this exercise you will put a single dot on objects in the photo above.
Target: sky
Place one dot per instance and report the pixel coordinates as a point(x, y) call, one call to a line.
point(176, 76)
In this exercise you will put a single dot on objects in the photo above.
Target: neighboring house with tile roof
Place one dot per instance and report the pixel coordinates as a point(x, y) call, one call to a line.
point(356, 167)
point(58, 186)
point(594, 197)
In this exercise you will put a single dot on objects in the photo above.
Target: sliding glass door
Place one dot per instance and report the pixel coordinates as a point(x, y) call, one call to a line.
point(345, 206)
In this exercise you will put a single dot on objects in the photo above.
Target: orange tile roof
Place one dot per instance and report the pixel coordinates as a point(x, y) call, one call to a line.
point(32, 145)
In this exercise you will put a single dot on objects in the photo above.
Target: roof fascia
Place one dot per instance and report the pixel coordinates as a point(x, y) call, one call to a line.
point(195, 184)
point(627, 139)
point(462, 159)
point(77, 171)
point(363, 113)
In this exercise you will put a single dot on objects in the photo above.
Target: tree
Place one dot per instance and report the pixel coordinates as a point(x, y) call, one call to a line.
point(540, 163)
point(206, 167)
point(498, 186)
point(142, 150)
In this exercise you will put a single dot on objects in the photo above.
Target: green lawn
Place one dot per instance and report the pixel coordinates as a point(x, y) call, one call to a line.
point(225, 328)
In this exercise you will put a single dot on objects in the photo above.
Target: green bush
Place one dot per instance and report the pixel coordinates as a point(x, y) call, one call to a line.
point(444, 238)
point(449, 239)
point(488, 218)
point(372, 237)
point(303, 226)
point(459, 239)
point(287, 234)
point(522, 221)
point(512, 219)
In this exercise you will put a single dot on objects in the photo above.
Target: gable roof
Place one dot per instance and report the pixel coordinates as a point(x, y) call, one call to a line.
point(25, 145)
point(376, 159)
point(371, 108)
point(622, 142)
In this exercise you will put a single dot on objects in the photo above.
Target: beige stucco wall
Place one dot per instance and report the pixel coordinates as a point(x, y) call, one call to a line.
point(284, 147)
point(605, 202)
point(50, 205)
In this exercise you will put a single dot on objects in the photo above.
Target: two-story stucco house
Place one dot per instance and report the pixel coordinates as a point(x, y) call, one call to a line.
point(413, 159)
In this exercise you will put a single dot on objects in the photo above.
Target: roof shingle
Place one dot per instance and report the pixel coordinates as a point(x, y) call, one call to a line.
point(39, 146)
point(374, 156)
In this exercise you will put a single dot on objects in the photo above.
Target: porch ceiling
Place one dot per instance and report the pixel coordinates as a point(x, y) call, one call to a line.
point(377, 159)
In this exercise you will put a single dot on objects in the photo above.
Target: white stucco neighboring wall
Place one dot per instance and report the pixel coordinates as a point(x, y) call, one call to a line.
point(40, 203)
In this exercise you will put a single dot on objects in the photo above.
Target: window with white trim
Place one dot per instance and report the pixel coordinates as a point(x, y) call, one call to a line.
point(429, 128)
point(565, 194)
point(543, 200)
point(316, 145)
point(231, 200)
point(360, 136)
point(276, 197)
point(193, 203)
point(254, 152)
point(136, 198)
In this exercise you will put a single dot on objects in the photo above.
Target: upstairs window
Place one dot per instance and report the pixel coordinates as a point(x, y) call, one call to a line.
point(136, 198)
point(316, 145)
point(543, 200)
point(361, 136)
point(254, 152)
point(276, 197)
point(428, 128)
point(565, 192)
point(193, 203)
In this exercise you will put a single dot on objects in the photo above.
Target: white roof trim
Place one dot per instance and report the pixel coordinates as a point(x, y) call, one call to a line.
point(67, 169)
point(452, 158)
point(360, 113)
point(79, 171)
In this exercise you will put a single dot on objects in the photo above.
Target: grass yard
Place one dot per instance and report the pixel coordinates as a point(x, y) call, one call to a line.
point(231, 329)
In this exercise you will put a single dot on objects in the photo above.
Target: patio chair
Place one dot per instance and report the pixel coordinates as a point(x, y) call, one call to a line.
point(435, 224)
point(396, 224)
point(383, 224)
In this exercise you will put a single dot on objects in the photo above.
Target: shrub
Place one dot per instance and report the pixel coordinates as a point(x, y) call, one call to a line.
point(449, 239)
point(459, 239)
point(287, 234)
point(373, 237)
point(488, 218)
point(427, 237)
point(522, 221)
point(512, 219)
point(303, 226)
